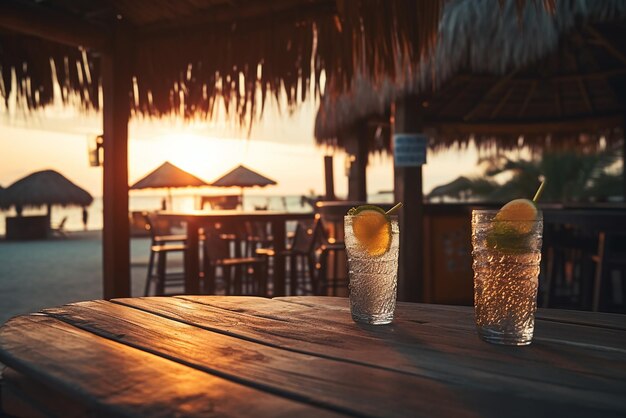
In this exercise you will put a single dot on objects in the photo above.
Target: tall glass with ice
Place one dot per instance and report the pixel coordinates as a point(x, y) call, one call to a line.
point(372, 245)
point(506, 257)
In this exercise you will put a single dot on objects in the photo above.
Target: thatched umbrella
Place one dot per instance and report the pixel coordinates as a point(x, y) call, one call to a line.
point(44, 188)
point(500, 72)
point(242, 177)
point(168, 176)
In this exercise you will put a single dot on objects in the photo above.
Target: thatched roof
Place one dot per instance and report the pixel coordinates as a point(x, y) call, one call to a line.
point(189, 55)
point(242, 176)
point(42, 188)
point(167, 176)
point(497, 73)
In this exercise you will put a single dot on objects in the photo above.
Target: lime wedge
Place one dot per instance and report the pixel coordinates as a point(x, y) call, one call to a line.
point(372, 229)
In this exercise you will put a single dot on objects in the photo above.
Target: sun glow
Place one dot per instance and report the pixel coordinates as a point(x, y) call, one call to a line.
point(202, 156)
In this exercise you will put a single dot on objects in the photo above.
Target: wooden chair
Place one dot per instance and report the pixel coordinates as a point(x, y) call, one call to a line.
point(240, 275)
point(332, 270)
point(609, 285)
point(567, 268)
point(163, 243)
point(257, 237)
point(60, 228)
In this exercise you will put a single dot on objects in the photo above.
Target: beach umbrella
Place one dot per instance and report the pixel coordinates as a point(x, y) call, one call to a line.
point(242, 177)
point(168, 176)
point(44, 188)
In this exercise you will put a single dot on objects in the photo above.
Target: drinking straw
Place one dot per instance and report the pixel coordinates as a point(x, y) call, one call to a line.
point(538, 194)
point(394, 209)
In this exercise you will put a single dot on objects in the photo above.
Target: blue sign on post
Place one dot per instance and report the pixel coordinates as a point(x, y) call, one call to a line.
point(409, 150)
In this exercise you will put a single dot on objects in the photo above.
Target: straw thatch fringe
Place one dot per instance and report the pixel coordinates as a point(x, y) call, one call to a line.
point(473, 36)
point(242, 62)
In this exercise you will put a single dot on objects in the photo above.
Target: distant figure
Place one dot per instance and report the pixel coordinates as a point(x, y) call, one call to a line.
point(19, 209)
point(85, 218)
point(163, 204)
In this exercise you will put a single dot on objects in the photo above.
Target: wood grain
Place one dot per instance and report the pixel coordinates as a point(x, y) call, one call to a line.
point(248, 356)
point(345, 387)
point(453, 356)
point(22, 396)
point(113, 379)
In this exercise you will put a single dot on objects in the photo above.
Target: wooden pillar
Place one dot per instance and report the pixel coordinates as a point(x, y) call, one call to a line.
point(408, 190)
point(116, 83)
point(624, 159)
point(329, 178)
point(356, 147)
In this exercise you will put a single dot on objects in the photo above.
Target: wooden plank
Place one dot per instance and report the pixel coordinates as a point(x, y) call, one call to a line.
point(593, 319)
point(340, 386)
point(294, 374)
point(460, 329)
point(112, 379)
point(15, 404)
point(116, 83)
point(441, 316)
point(27, 397)
point(455, 356)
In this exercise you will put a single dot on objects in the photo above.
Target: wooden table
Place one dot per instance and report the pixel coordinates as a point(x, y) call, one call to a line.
point(303, 356)
point(197, 219)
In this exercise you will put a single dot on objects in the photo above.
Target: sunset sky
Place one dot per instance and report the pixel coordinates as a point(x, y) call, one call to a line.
point(281, 146)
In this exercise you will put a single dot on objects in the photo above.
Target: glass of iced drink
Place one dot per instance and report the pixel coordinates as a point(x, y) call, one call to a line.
point(372, 243)
point(506, 257)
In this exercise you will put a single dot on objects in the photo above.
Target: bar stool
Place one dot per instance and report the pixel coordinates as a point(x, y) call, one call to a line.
point(163, 243)
point(241, 275)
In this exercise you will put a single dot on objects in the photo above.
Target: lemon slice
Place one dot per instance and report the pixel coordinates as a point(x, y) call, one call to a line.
point(513, 226)
point(372, 229)
point(517, 216)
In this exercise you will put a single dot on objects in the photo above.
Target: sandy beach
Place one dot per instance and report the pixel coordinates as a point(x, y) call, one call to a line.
point(39, 274)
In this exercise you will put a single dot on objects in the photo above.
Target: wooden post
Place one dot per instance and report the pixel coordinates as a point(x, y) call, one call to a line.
point(408, 190)
point(624, 160)
point(329, 177)
point(116, 83)
point(356, 147)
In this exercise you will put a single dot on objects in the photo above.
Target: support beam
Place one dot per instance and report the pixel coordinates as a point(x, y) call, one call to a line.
point(529, 96)
point(501, 103)
point(529, 127)
point(35, 20)
point(116, 84)
point(582, 87)
point(624, 160)
point(329, 178)
point(408, 190)
point(557, 101)
point(607, 44)
point(356, 147)
point(494, 88)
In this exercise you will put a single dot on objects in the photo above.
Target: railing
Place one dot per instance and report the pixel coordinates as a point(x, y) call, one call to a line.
point(575, 272)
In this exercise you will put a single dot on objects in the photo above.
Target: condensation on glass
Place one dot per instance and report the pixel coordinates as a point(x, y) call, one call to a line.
point(506, 274)
point(373, 279)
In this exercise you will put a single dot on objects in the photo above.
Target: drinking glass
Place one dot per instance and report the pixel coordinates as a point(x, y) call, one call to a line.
point(373, 279)
point(506, 276)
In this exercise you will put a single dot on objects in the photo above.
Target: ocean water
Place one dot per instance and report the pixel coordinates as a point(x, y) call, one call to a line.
point(139, 203)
